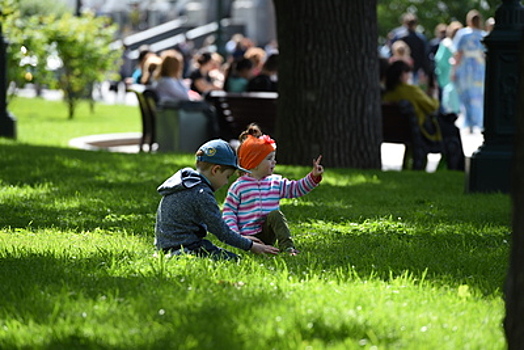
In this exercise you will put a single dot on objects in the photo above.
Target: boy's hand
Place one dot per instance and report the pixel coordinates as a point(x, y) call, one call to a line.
point(318, 169)
point(258, 248)
point(254, 239)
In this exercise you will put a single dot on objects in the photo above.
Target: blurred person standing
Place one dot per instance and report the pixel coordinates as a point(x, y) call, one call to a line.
point(470, 70)
point(401, 51)
point(440, 34)
point(489, 25)
point(433, 45)
point(418, 45)
point(444, 62)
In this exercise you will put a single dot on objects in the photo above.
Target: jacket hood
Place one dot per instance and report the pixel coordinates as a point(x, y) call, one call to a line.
point(180, 181)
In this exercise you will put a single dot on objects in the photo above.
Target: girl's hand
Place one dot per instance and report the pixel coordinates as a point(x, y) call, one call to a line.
point(318, 169)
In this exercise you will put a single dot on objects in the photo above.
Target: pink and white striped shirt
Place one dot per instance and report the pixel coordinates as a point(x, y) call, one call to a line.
point(249, 200)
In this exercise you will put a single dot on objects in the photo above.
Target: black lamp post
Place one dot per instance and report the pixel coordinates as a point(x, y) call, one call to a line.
point(488, 169)
point(7, 121)
point(78, 8)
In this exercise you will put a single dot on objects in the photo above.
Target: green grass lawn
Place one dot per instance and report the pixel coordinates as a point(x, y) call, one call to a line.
point(43, 122)
point(390, 260)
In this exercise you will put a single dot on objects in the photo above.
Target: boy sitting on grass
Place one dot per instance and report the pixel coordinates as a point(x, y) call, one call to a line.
point(188, 208)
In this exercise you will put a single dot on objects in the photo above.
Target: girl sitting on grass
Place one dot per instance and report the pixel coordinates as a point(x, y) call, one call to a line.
point(252, 205)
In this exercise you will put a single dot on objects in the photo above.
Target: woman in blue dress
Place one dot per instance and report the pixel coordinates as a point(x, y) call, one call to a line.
point(470, 70)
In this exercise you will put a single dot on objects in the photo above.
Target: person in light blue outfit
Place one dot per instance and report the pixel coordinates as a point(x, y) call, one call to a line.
point(444, 60)
point(470, 70)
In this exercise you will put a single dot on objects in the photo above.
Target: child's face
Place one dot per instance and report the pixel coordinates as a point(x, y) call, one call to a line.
point(220, 177)
point(266, 167)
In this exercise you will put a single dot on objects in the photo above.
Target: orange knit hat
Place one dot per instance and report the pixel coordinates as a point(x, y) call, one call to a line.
point(253, 150)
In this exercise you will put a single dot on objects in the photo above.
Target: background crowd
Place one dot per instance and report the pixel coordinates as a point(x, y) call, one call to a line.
point(450, 68)
point(175, 75)
point(443, 76)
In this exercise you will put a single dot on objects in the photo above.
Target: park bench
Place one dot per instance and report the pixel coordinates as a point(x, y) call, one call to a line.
point(235, 111)
point(400, 125)
point(147, 104)
point(173, 126)
point(182, 126)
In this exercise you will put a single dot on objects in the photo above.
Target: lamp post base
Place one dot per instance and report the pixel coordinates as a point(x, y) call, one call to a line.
point(8, 126)
point(489, 171)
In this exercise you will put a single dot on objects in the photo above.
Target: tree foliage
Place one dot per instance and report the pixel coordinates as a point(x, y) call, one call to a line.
point(80, 46)
point(30, 8)
point(83, 45)
point(26, 44)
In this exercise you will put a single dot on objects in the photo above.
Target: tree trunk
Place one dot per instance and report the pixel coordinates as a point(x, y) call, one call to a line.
point(514, 289)
point(329, 93)
point(71, 104)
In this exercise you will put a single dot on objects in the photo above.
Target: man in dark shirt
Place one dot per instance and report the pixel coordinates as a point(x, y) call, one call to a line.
point(418, 44)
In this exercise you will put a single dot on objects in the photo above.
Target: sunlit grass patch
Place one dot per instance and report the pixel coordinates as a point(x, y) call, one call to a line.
point(390, 260)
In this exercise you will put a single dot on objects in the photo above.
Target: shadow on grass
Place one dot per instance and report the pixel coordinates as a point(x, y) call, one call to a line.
point(430, 223)
point(81, 190)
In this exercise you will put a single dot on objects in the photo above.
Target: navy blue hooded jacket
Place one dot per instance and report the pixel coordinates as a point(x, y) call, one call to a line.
point(188, 210)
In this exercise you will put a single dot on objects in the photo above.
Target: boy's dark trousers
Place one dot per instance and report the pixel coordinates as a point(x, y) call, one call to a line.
point(203, 248)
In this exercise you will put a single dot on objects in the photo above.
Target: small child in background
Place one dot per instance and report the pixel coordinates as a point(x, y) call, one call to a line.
point(401, 51)
point(188, 208)
point(252, 205)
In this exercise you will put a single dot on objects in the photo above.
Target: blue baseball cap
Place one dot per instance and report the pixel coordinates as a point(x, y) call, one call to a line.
point(219, 152)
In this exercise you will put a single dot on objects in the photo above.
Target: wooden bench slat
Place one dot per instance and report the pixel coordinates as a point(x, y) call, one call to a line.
point(235, 111)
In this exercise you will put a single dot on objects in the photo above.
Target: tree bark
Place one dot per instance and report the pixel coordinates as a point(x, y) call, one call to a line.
point(329, 92)
point(514, 289)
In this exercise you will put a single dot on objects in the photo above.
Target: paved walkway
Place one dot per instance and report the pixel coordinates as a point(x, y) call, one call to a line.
point(391, 153)
point(102, 95)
